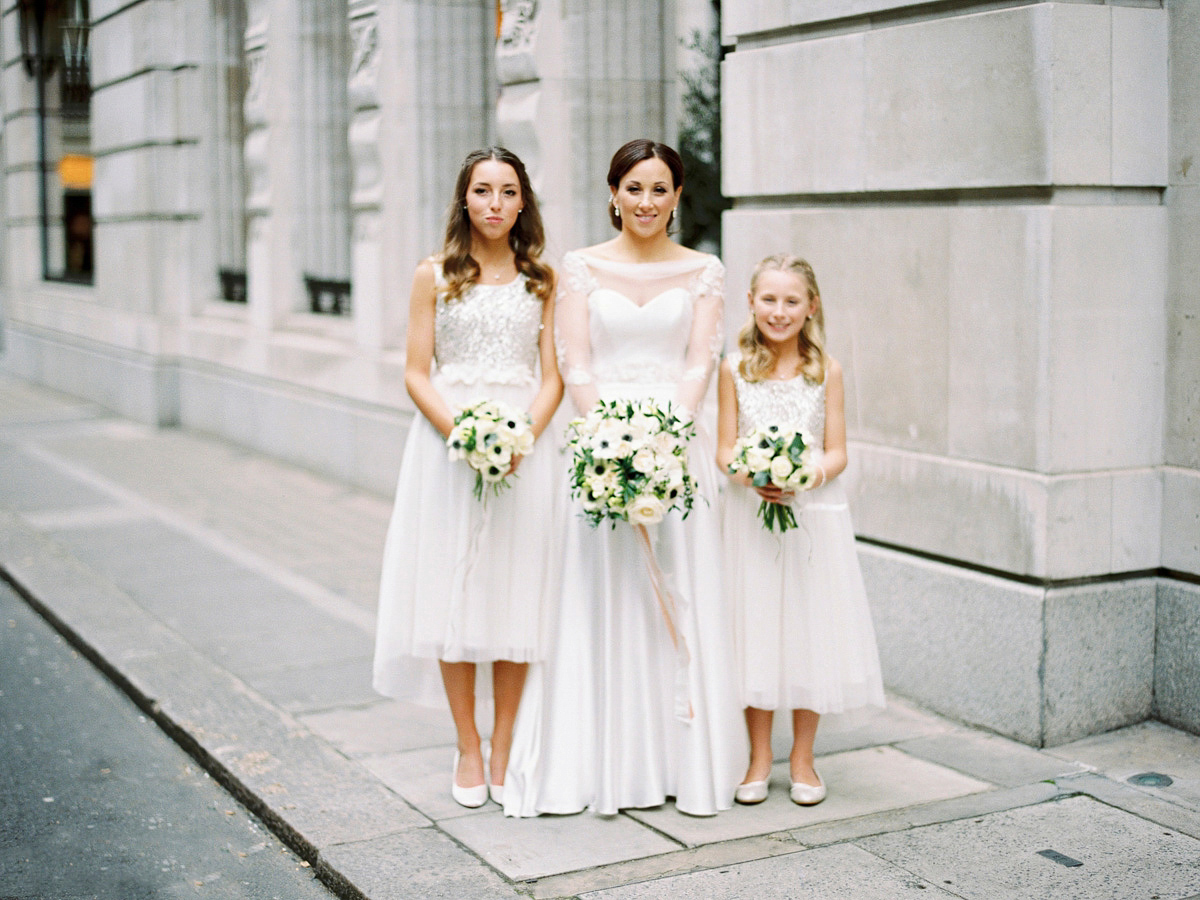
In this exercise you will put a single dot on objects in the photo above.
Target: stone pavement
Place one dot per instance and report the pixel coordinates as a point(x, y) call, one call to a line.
point(232, 597)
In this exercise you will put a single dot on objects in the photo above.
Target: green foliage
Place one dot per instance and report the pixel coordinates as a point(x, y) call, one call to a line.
point(700, 144)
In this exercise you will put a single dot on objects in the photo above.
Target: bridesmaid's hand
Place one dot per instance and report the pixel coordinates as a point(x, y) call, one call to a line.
point(516, 461)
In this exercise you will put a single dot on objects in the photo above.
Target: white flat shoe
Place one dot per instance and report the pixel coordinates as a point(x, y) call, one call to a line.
point(470, 797)
point(496, 792)
point(751, 792)
point(808, 794)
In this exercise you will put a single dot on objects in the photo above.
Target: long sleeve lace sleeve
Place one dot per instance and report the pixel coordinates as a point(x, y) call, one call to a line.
point(707, 338)
point(572, 332)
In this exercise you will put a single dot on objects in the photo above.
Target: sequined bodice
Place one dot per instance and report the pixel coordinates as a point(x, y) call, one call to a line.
point(795, 402)
point(490, 334)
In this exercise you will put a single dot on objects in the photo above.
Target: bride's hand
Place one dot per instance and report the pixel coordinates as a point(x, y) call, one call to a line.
point(516, 461)
point(773, 494)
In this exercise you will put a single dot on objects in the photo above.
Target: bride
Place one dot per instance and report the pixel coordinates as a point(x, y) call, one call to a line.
point(601, 726)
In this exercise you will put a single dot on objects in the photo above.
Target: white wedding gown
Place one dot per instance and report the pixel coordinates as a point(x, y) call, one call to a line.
point(599, 725)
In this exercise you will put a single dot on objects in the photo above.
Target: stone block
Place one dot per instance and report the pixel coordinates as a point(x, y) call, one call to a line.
point(995, 303)
point(808, 127)
point(1140, 95)
point(147, 35)
point(1099, 658)
point(1184, 38)
point(963, 644)
point(1104, 355)
point(154, 180)
point(1045, 94)
point(1183, 319)
point(1181, 520)
point(1177, 654)
point(744, 19)
point(154, 107)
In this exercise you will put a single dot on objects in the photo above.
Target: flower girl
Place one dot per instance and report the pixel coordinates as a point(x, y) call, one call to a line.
point(802, 625)
point(470, 563)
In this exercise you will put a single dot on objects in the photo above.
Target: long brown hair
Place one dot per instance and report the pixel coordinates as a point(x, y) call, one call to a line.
point(634, 152)
point(527, 237)
point(758, 359)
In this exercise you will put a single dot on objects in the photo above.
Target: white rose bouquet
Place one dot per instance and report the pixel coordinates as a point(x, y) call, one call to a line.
point(630, 462)
point(488, 434)
point(779, 456)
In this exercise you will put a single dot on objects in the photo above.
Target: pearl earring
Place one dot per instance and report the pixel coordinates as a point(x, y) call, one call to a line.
point(616, 209)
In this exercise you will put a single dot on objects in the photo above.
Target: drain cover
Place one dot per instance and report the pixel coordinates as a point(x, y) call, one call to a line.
point(1150, 779)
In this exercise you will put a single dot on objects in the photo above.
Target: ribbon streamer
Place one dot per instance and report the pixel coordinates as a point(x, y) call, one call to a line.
point(668, 606)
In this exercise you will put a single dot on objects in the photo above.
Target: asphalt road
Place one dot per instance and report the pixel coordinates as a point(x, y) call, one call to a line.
point(97, 802)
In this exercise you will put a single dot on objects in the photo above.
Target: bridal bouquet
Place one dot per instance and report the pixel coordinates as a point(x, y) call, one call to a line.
point(488, 434)
point(630, 462)
point(778, 456)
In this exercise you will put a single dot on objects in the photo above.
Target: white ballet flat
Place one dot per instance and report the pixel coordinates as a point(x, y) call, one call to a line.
point(808, 794)
point(470, 797)
point(496, 792)
point(751, 792)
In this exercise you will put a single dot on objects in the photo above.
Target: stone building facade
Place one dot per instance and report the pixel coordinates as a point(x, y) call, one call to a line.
point(999, 199)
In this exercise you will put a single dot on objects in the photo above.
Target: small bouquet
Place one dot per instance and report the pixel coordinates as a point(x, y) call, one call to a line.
point(630, 462)
point(778, 456)
point(488, 434)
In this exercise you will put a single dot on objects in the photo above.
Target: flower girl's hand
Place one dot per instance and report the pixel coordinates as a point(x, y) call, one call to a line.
point(773, 494)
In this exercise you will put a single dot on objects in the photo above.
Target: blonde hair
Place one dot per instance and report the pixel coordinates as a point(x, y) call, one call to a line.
point(758, 359)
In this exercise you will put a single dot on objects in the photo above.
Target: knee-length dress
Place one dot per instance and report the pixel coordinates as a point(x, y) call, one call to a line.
point(465, 580)
point(598, 727)
point(802, 622)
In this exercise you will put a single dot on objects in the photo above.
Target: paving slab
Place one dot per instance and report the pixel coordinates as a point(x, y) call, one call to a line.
point(422, 778)
point(29, 484)
point(860, 782)
point(964, 807)
point(898, 721)
point(421, 862)
point(325, 686)
point(692, 859)
point(384, 727)
point(1133, 800)
point(1150, 747)
point(830, 873)
point(990, 757)
point(996, 857)
point(522, 849)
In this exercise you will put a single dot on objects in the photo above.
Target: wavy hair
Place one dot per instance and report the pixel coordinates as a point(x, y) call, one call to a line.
point(634, 152)
point(527, 237)
point(758, 359)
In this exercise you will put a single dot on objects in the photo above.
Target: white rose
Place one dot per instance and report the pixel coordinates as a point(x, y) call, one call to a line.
point(524, 444)
point(757, 461)
point(781, 468)
point(645, 461)
point(478, 460)
point(646, 510)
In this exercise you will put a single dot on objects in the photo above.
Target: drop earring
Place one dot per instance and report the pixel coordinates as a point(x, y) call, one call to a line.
point(616, 210)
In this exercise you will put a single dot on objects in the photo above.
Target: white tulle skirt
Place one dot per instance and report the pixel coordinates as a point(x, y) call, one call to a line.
point(600, 725)
point(802, 623)
point(464, 580)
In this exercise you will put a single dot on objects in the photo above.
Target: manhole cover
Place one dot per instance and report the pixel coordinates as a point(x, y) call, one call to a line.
point(1150, 779)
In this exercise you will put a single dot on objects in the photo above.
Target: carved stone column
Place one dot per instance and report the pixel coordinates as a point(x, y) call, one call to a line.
point(256, 159)
point(366, 174)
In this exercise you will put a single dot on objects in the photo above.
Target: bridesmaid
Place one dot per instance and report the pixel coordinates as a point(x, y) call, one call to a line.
point(601, 728)
point(468, 582)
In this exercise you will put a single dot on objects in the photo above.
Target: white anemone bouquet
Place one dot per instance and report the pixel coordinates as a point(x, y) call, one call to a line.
point(488, 434)
point(779, 456)
point(630, 462)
